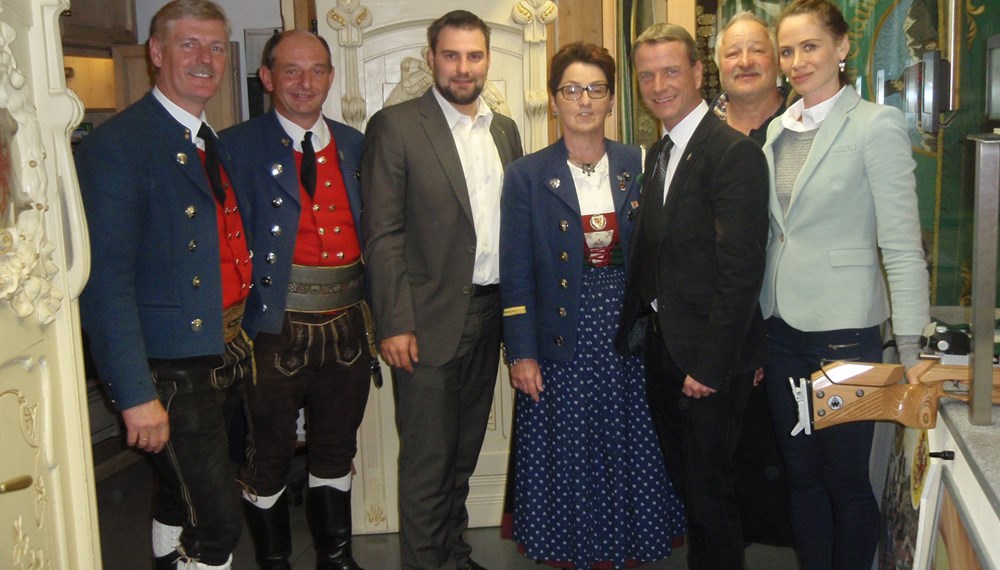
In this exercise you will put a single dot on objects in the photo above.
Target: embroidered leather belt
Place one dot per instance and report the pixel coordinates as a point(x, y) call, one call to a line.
point(232, 318)
point(325, 289)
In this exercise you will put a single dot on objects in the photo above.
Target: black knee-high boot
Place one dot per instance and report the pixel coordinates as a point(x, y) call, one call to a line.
point(329, 513)
point(271, 533)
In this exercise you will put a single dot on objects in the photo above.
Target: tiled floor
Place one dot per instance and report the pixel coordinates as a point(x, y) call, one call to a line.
point(124, 502)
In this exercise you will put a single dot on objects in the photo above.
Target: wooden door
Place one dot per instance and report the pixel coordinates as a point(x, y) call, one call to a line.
point(48, 514)
point(134, 78)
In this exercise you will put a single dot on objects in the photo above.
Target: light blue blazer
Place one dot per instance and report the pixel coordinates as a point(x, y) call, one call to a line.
point(852, 226)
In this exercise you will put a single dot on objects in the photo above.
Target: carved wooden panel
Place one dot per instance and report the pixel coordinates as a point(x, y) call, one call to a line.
point(48, 515)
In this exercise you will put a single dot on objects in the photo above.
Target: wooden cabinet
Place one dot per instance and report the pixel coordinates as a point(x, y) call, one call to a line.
point(134, 78)
point(98, 23)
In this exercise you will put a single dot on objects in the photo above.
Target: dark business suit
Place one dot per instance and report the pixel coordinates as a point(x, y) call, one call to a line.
point(420, 251)
point(708, 254)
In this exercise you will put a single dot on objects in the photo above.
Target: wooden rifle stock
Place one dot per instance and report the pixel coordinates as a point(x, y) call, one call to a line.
point(875, 394)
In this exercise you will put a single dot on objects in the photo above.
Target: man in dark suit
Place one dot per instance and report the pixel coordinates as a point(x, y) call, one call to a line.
point(432, 174)
point(307, 310)
point(698, 261)
point(170, 274)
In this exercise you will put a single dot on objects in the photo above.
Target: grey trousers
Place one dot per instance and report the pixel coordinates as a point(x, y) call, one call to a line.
point(441, 416)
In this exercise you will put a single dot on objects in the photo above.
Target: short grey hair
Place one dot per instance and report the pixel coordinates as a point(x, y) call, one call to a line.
point(164, 18)
point(745, 16)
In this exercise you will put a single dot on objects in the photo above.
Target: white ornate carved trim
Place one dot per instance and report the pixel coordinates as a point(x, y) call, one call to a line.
point(372, 491)
point(23, 557)
point(27, 267)
point(349, 19)
point(535, 15)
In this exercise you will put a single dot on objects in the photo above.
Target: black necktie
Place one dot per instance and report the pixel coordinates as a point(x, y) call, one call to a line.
point(308, 175)
point(660, 173)
point(652, 222)
point(212, 162)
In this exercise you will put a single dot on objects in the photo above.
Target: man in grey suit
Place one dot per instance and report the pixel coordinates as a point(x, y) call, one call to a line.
point(432, 171)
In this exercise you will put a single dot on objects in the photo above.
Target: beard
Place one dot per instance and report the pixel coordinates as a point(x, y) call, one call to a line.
point(458, 98)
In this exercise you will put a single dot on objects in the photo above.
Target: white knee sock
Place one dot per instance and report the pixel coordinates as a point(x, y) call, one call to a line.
point(260, 501)
point(165, 538)
point(192, 565)
point(340, 483)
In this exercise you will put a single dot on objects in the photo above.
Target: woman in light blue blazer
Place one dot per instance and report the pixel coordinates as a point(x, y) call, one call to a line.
point(590, 485)
point(844, 226)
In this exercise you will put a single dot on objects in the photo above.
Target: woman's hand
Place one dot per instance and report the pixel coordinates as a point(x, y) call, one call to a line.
point(526, 376)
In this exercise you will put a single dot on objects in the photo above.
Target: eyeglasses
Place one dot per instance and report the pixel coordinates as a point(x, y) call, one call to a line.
point(573, 92)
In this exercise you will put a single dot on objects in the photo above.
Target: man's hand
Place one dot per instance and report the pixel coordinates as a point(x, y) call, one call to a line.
point(695, 389)
point(148, 426)
point(526, 376)
point(400, 351)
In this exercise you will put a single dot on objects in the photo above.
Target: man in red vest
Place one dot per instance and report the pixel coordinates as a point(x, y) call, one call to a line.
point(307, 309)
point(169, 278)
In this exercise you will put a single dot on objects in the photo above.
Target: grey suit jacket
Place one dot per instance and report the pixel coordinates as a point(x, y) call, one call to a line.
point(853, 211)
point(420, 241)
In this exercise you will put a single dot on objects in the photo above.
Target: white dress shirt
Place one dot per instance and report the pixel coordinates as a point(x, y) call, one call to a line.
point(799, 119)
point(484, 178)
point(681, 135)
point(321, 133)
point(189, 121)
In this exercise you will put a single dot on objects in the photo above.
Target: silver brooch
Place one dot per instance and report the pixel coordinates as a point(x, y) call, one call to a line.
point(554, 183)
